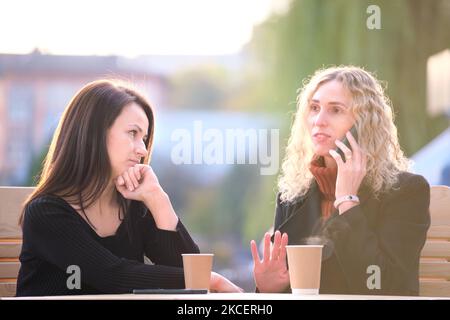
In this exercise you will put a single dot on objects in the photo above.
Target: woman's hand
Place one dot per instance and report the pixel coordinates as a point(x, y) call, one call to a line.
point(271, 273)
point(219, 283)
point(351, 172)
point(140, 183)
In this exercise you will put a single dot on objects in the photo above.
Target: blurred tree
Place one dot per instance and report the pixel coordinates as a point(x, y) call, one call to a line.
point(218, 212)
point(314, 34)
point(320, 33)
point(36, 167)
point(202, 87)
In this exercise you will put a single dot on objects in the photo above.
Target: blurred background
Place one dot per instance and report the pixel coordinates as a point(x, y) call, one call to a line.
point(230, 65)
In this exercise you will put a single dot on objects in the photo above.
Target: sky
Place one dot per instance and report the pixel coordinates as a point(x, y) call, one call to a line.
point(131, 27)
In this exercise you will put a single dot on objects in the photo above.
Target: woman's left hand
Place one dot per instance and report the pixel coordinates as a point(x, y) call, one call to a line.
point(219, 283)
point(351, 172)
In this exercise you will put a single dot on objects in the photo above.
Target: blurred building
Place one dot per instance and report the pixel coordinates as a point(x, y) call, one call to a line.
point(34, 90)
point(433, 160)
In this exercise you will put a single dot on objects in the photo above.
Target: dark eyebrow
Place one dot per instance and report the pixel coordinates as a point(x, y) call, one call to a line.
point(139, 128)
point(331, 102)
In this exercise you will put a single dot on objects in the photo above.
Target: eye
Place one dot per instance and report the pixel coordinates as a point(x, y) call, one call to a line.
point(336, 110)
point(133, 133)
point(314, 107)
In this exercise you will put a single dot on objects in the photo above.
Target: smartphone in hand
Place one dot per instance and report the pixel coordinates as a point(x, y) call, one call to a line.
point(347, 143)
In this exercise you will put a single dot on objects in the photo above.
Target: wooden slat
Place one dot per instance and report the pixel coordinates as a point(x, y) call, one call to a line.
point(439, 232)
point(440, 205)
point(11, 202)
point(435, 288)
point(7, 289)
point(10, 248)
point(12, 199)
point(436, 249)
point(435, 256)
point(9, 269)
point(430, 269)
point(9, 259)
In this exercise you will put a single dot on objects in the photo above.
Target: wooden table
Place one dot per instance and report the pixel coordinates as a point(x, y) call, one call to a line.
point(225, 296)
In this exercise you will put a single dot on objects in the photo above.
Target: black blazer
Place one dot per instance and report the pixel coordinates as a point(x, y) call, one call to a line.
point(389, 233)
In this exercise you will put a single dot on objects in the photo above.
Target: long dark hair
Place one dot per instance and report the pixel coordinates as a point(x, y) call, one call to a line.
point(77, 165)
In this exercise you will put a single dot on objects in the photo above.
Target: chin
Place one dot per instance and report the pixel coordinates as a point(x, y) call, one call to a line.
point(118, 171)
point(322, 151)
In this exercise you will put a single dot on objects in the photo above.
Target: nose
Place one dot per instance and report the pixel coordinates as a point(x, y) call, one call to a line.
point(141, 150)
point(320, 119)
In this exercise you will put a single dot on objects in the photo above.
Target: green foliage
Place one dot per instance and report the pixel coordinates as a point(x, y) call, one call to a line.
point(217, 212)
point(199, 88)
point(319, 33)
point(36, 167)
point(260, 210)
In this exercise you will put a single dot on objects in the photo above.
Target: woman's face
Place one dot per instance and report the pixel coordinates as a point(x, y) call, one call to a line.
point(125, 139)
point(329, 116)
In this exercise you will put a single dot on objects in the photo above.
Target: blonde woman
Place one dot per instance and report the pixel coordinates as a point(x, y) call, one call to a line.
point(363, 206)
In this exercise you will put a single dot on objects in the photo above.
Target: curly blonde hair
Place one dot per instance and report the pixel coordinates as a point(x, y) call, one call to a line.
point(374, 121)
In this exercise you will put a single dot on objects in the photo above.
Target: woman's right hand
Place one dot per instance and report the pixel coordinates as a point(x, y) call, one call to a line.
point(141, 184)
point(271, 273)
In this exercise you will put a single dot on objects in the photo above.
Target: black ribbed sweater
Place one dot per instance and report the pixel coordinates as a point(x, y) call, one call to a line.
point(55, 237)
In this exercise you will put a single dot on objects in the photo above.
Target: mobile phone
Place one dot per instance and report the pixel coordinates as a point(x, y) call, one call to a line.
point(170, 291)
point(347, 143)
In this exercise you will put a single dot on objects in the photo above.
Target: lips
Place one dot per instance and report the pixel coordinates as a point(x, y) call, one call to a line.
point(134, 161)
point(321, 138)
point(321, 134)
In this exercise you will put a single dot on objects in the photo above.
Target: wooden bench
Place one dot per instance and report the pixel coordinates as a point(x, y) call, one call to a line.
point(11, 201)
point(435, 256)
point(434, 262)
